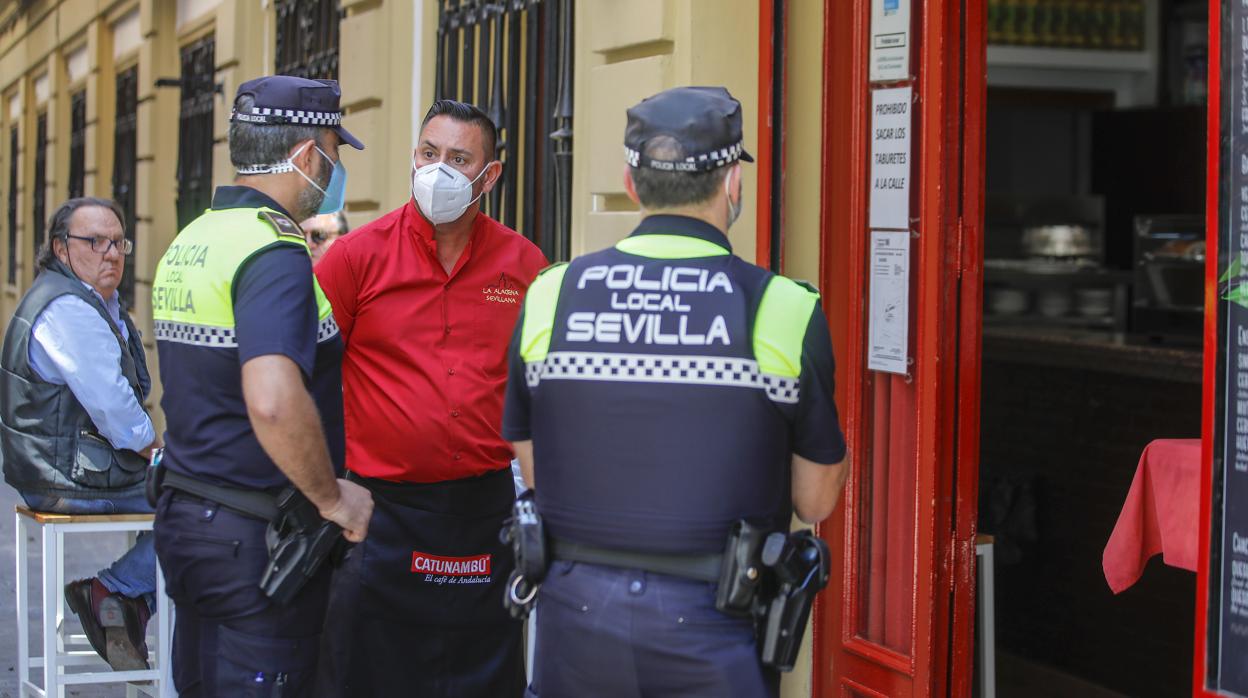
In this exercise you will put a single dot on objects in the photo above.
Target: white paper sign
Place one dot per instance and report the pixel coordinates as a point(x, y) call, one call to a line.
point(890, 40)
point(890, 158)
point(889, 323)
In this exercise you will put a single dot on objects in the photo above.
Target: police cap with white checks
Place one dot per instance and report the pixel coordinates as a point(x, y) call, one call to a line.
point(285, 99)
point(706, 121)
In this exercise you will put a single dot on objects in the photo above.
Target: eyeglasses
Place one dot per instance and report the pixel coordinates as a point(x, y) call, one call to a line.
point(101, 244)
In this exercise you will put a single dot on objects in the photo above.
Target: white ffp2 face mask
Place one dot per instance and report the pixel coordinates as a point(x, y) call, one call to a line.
point(442, 192)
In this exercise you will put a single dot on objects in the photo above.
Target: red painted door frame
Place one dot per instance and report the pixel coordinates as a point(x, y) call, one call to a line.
point(1209, 392)
point(938, 426)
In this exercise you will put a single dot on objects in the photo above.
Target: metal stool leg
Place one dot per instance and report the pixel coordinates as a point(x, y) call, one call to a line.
point(164, 636)
point(986, 609)
point(23, 606)
point(51, 638)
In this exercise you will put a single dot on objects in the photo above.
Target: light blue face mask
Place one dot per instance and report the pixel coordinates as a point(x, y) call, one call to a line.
point(336, 191)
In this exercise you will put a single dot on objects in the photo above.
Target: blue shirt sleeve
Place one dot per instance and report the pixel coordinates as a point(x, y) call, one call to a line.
point(516, 404)
point(72, 345)
point(275, 307)
point(817, 432)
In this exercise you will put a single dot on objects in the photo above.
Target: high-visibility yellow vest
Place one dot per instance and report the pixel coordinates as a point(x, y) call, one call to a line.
point(193, 292)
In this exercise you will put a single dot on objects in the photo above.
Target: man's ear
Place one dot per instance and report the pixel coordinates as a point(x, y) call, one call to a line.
point(304, 158)
point(629, 187)
point(491, 177)
point(60, 249)
point(734, 183)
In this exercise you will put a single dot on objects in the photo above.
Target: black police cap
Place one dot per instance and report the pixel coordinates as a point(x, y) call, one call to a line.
point(285, 99)
point(706, 121)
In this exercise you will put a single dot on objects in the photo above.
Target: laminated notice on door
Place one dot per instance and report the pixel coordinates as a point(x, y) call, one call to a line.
point(889, 323)
point(890, 40)
point(890, 159)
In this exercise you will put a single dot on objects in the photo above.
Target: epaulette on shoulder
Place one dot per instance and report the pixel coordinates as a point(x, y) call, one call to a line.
point(285, 227)
point(806, 285)
point(556, 265)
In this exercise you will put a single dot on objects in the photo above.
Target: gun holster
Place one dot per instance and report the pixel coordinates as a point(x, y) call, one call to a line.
point(800, 565)
point(527, 536)
point(299, 542)
point(154, 478)
point(741, 575)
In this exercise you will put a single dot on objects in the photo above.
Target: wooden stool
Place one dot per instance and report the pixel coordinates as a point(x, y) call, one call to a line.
point(986, 609)
point(61, 650)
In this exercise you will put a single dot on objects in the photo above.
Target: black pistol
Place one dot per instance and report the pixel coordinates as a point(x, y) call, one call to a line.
point(801, 563)
point(299, 542)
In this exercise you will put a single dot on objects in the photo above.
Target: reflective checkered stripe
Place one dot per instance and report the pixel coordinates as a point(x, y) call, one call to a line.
point(694, 163)
point(196, 335)
point(267, 115)
point(659, 368)
point(326, 330)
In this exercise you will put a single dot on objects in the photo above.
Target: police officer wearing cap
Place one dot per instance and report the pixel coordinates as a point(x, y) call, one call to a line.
point(660, 391)
point(250, 362)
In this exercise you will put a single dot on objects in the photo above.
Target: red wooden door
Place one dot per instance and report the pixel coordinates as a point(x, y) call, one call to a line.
point(897, 619)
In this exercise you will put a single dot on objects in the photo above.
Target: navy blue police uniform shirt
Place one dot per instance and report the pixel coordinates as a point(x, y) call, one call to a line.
point(667, 466)
point(208, 434)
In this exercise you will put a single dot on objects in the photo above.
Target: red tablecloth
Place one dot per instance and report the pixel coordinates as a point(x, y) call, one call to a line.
point(1160, 514)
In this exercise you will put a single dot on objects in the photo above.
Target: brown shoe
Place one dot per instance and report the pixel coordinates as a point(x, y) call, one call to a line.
point(136, 613)
point(103, 615)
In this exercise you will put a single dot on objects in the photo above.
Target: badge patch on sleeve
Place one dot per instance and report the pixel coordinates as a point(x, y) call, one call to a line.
point(437, 569)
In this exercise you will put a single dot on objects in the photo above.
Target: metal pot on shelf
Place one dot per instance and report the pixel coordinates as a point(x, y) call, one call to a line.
point(1064, 241)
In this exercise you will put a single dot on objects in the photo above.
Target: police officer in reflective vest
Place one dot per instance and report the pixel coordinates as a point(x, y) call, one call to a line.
point(250, 363)
point(661, 391)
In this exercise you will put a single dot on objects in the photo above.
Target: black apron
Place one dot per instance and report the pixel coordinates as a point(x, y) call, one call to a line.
point(417, 608)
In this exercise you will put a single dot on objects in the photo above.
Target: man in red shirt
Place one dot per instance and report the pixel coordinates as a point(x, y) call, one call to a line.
point(426, 299)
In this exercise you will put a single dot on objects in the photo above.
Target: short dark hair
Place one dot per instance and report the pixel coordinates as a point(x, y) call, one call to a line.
point(669, 189)
point(58, 224)
point(265, 144)
point(467, 113)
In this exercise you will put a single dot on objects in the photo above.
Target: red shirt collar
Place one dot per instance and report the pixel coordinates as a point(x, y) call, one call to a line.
point(417, 223)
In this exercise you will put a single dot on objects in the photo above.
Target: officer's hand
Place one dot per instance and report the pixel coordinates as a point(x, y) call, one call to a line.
point(352, 511)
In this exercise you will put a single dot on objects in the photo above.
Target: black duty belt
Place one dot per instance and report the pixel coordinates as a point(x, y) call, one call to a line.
point(703, 568)
point(255, 503)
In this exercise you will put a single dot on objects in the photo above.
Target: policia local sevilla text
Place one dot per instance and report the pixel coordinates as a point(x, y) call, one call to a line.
point(632, 291)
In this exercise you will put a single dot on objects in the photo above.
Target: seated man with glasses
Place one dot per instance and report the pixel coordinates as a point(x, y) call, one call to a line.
point(74, 434)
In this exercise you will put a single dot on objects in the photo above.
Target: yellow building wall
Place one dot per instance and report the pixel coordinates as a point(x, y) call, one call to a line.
point(629, 50)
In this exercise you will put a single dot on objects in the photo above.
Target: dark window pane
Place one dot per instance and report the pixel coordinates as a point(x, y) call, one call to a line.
point(195, 130)
point(307, 38)
point(514, 61)
point(13, 153)
point(125, 153)
point(39, 210)
point(77, 143)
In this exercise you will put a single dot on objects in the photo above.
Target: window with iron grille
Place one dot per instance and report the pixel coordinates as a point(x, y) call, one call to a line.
point(77, 143)
point(195, 130)
point(125, 152)
point(307, 38)
point(38, 209)
point(513, 59)
point(13, 153)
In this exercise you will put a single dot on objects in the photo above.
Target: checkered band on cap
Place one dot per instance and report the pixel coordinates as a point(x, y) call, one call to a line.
point(703, 162)
point(267, 115)
point(655, 368)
